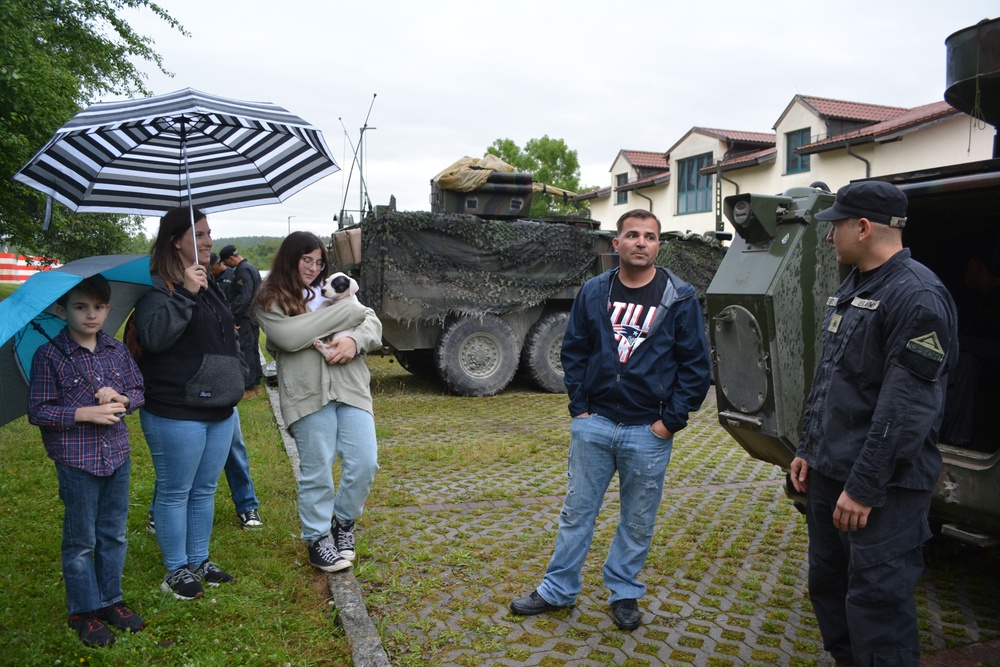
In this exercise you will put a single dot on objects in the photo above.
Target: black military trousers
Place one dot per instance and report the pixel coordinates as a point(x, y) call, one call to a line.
point(250, 349)
point(862, 583)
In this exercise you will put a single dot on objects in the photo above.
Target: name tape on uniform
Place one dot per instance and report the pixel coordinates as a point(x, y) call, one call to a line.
point(867, 304)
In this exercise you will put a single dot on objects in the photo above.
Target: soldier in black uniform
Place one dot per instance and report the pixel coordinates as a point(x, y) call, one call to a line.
point(868, 459)
point(246, 282)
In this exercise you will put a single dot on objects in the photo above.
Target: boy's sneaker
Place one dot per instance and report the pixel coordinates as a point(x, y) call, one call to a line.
point(250, 519)
point(324, 555)
point(92, 632)
point(210, 573)
point(183, 584)
point(343, 539)
point(119, 616)
point(150, 524)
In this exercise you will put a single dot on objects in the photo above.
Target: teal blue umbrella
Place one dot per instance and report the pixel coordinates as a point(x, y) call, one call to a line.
point(27, 317)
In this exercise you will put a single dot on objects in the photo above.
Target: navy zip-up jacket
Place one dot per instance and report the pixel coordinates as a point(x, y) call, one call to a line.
point(667, 377)
point(877, 399)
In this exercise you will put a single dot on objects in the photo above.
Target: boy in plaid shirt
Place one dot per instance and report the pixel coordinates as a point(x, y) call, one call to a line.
point(82, 384)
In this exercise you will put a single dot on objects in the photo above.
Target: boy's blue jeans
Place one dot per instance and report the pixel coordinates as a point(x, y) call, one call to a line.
point(94, 542)
point(599, 448)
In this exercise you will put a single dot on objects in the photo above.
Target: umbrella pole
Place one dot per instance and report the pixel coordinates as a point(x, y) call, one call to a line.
point(187, 180)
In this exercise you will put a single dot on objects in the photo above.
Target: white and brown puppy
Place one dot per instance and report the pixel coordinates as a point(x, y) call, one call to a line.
point(337, 287)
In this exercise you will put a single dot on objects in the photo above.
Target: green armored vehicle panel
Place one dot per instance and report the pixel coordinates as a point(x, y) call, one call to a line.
point(766, 305)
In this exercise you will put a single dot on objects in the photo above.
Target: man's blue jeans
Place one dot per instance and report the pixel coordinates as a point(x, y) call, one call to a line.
point(94, 542)
point(599, 448)
point(335, 430)
point(188, 457)
point(238, 472)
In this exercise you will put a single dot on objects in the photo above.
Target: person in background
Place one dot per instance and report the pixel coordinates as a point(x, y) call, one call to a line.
point(325, 401)
point(636, 363)
point(223, 274)
point(868, 459)
point(84, 433)
point(246, 282)
point(194, 377)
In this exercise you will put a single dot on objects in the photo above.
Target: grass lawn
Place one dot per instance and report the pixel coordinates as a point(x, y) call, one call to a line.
point(277, 613)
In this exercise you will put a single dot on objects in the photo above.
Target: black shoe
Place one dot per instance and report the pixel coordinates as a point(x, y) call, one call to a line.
point(151, 524)
point(210, 573)
point(120, 616)
point(250, 519)
point(183, 584)
point(626, 614)
point(92, 632)
point(343, 539)
point(531, 605)
point(323, 555)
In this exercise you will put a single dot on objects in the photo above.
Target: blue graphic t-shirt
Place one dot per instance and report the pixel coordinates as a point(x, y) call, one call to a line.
point(632, 310)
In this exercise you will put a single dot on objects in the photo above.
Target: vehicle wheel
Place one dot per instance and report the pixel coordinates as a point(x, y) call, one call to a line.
point(477, 356)
point(417, 362)
point(541, 354)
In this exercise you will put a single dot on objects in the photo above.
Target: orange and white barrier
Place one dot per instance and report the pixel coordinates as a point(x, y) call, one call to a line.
point(15, 268)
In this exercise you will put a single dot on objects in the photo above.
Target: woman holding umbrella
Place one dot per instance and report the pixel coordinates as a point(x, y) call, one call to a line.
point(194, 378)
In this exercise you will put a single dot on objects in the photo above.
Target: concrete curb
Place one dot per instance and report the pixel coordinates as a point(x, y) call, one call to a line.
point(362, 635)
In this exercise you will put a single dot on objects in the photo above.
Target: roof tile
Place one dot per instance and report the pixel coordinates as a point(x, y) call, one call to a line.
point(907, 119)
point(871, 113)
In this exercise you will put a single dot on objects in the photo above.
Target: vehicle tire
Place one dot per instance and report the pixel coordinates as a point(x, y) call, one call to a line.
point(418, 362)
point(477, 356)
point(540, 357)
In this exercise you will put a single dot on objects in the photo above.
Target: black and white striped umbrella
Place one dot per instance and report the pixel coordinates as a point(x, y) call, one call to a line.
point(149, 155)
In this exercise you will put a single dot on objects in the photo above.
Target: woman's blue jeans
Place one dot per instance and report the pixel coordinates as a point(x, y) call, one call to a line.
point(599, 448)
point(94, 542)
point(237, 474)
point(188, 457)
point(335, 430)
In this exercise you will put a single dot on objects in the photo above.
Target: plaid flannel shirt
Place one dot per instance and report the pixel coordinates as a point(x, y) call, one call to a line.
point(57, 389)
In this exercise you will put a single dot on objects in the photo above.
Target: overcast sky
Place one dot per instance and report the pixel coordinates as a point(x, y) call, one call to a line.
point(450, 77)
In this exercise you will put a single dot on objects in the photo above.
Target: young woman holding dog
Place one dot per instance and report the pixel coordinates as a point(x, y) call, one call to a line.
point(326, 403)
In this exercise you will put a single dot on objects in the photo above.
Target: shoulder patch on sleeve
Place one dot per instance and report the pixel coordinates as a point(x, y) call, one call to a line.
point(927, 345)
point(926, 341)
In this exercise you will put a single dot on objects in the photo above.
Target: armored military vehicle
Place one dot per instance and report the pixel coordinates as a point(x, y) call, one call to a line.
point(766, 303)
point(473, 290)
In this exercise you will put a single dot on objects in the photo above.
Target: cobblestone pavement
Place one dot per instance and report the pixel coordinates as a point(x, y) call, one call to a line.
point(463, 519)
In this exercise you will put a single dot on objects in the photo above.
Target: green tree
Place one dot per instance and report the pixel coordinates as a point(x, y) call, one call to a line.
point(55, 57)
point(550, 161)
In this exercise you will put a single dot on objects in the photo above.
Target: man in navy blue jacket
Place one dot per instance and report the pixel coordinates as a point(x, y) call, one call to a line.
point(636, 363)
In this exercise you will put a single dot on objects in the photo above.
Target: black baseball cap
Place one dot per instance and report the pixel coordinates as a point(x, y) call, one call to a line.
point(227, 252)
point(878, 201)
point(213, 259)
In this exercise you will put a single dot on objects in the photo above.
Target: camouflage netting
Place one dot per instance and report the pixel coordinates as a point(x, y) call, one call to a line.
point(420, 265)
point(694, 258)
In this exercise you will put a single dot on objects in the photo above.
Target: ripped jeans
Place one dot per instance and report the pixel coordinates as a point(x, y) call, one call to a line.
point(599, 448)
